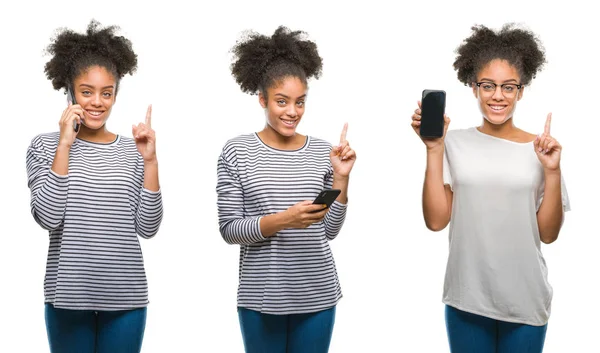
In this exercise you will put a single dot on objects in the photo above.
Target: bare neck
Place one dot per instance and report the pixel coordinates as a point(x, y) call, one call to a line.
point(274, 139)
point(101, 135)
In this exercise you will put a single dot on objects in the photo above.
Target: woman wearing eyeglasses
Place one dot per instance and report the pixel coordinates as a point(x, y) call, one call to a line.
point(502, 192)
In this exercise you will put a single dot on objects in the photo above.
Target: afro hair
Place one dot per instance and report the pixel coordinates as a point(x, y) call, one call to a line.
point(520, 47)
point(72, 53)
point(262, 61)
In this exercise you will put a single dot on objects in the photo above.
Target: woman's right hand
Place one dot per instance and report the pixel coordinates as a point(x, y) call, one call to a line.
point(416, 125)
point(305, 213)
point(67, 133)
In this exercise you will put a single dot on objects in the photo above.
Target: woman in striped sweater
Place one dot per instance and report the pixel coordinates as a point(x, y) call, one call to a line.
point(94, 191)
point(288, 285)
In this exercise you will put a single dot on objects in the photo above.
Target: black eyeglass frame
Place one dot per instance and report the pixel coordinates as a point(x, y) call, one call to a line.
point(518, 85)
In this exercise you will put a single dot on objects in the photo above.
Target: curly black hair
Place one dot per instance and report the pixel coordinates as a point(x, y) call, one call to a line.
point(72, 53)
point(261, 61)
point(520, 47)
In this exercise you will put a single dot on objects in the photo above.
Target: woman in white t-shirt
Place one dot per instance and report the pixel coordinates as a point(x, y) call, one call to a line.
point(502, 192)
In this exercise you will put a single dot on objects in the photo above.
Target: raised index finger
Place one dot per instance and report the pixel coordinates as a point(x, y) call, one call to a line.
point(547, 126)
point(344, 131)
point(149, 116)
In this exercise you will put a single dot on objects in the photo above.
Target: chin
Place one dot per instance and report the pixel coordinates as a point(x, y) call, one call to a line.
point(497, 120)
point(287, 132)
point(95, 126)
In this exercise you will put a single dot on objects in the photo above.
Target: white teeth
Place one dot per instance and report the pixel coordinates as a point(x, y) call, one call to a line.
point(497, 107)
point(94, 113)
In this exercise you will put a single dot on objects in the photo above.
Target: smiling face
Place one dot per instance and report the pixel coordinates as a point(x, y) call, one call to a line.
point(497, 106)
point(284, 105)
point(94, 91)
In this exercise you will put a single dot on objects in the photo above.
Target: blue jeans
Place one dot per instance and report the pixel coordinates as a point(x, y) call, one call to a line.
point(87, 331)
point(295, 333)
point(470, 333)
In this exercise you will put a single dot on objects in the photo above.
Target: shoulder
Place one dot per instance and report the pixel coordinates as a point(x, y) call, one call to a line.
point(458, 133)
point(127, 146)
point(45, 141)
point(127, 142)
point(320, 144)
point(240, 142)
point(453, 136)
point(527, 136)
point(46, 138)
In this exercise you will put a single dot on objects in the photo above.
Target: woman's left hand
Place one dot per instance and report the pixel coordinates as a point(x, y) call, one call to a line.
point(342, 156)
point(547, 148)
point(145, 138)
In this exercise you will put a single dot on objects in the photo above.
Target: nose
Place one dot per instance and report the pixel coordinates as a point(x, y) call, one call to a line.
point(291, 111)
point(498, 95)
point(96, 101)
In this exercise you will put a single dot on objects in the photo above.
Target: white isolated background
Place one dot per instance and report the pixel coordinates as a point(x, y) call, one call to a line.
point(378, 57)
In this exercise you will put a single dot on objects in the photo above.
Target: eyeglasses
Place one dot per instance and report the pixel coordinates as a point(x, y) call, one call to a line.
point(509, 90)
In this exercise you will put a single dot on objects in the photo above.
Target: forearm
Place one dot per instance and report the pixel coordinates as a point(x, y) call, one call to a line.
point(273, 223)
point(149, 213)
point(60, 165)
point(341, 183)
point(151, 175)
point(334, 220)
point(241, 231)
point(550, 214)
point(436, 211)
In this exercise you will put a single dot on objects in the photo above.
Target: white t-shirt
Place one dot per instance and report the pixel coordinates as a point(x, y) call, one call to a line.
point(495, 266)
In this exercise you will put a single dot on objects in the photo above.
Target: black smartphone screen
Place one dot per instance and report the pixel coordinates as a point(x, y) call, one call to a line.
point(327, 197)
point(433, 105)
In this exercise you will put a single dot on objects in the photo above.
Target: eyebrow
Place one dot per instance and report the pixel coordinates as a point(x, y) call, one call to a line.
point(286, 97)
point(90, 86)
point(490, 80)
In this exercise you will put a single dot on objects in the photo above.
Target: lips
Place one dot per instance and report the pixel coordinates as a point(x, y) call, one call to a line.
point(496, 107)
point(290, 123)
point(94, 114)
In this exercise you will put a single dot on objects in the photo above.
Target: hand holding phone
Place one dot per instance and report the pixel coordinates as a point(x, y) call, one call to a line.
point(304, 213)
point(71, 100)
point(69, 122)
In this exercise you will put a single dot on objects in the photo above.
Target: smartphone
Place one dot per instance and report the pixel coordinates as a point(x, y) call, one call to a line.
point(71, 99)
point(433, 105)
point(326, 197)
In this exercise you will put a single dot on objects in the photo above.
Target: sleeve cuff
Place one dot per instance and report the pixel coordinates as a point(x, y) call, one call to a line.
point(338, 207)
point(151, 192)
point(59, 177)
point(259, 234)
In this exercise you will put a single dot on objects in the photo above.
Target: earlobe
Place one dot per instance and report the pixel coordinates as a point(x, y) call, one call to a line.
point(474, 88)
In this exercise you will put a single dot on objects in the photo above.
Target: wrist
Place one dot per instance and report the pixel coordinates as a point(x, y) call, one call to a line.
point(276, 223)
point(64, 145)
point(284, 219)
point(552, 172)
point(151, 161)
point(438, 148)
point(341, 178)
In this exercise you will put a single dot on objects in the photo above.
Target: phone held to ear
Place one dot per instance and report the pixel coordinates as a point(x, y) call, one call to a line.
point(433, 105)
point(327, 197)
point(71, 99)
